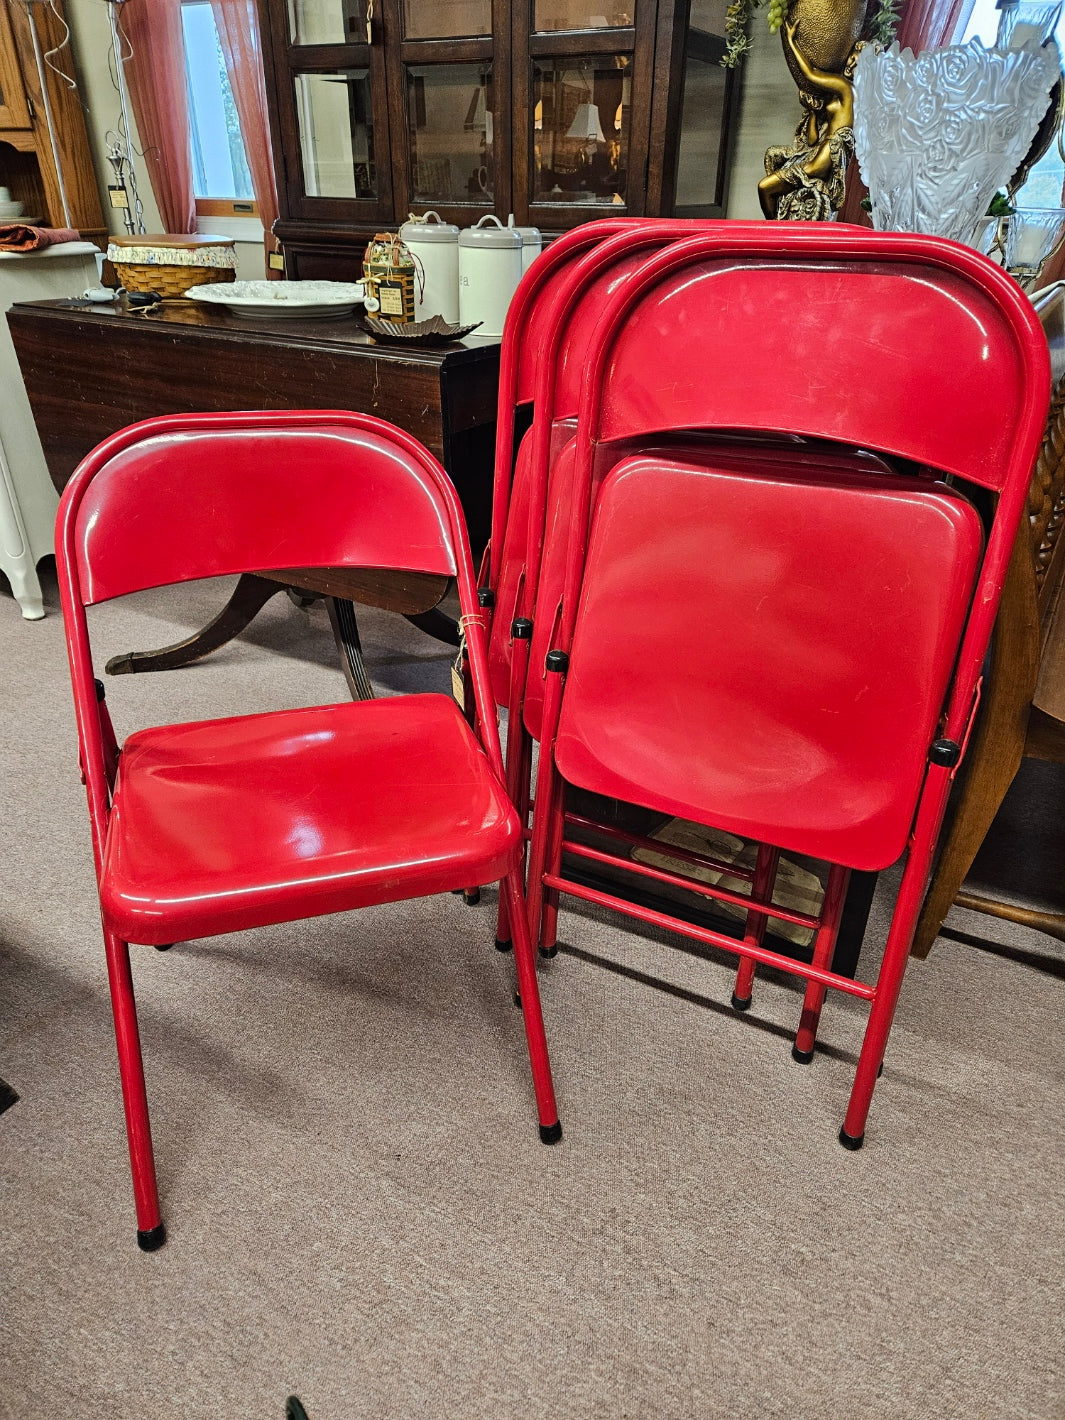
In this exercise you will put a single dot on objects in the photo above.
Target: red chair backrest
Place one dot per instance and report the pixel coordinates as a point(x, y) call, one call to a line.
point(908, 345)
point(916, 347)
point(184, 497)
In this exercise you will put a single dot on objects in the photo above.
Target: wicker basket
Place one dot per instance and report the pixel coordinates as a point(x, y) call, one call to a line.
point(169, 281)
point(171, 265)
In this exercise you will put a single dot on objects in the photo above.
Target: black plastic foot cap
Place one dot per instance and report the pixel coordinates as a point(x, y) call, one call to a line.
point(163, 946)
point(850, 1141)
point(741, 1003)
point(472, 896)
point(802, 1056)
point(551, 951)
point(551, 1133)
point(517, 999)
point(151, 1239)
point(502, 946)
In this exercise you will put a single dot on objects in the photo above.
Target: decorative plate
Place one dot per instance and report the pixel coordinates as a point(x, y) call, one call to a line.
point(292, 300)
point(434, 331)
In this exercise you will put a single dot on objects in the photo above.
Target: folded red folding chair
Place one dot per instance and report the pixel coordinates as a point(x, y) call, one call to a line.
point(225, 825)
point(566, 317)
point(823, 703)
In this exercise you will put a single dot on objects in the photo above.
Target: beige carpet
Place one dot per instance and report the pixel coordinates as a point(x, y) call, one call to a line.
point(358, 1206)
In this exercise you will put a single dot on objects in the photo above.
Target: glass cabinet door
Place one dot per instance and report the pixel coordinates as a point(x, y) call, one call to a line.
point(692, 120)
point(333, 110)
point(582, 72)
point(451, 133)
point(555, 110)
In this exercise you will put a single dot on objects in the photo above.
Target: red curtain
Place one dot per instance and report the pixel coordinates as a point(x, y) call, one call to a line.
point(923, 24)
point(155, 73)
point(928, 24)
point(238, 29)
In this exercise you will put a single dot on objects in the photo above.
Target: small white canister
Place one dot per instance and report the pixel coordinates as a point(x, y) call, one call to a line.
point(531, 243)
point(489, 272)
point(435, 248)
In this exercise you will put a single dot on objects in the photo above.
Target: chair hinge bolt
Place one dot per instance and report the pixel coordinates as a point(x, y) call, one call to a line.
point(945, 752)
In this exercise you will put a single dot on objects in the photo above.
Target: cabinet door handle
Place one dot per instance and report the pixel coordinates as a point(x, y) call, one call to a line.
point(369, 21)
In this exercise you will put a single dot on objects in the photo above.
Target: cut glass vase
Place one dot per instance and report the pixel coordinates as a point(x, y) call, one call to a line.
point(937, 134)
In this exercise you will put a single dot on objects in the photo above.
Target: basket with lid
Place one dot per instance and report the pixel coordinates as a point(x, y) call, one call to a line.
point(171, 264)
point(389, 274)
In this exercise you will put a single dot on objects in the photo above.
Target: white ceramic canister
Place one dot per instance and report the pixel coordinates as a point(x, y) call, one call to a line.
point(435, 248)
point(531, 243)
point(489, 272)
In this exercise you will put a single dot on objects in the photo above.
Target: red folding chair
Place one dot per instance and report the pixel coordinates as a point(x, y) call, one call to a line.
point(566, 316)
point(225, 825)
point(520, 358)
point(524, 388)
point(825, 704)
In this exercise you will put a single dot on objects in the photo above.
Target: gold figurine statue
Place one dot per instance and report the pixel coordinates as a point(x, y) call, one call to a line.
point(805, 180)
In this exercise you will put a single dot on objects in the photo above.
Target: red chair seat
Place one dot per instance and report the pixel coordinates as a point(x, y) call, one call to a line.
point(214, 830)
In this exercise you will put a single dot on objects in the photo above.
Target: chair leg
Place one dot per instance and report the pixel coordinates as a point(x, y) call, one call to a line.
point(151, 1233)
point(889, 982)
point(522, 797)
point(824, 947)
point(546, 799)
point(550, 1128)
point(765, 875)
point(519, 756)
point(504, 941)
point(549, 791)
point(553, 864)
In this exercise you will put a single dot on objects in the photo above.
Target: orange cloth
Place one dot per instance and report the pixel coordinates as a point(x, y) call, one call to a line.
point(16, 236)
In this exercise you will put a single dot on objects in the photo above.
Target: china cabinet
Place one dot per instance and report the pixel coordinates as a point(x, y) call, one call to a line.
point(44, 151)
point(553, 110)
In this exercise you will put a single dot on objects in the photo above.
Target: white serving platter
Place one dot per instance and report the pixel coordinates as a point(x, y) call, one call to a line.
point(294, 300)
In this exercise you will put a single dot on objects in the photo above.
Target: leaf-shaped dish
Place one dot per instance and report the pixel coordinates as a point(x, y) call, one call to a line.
point(434, 331)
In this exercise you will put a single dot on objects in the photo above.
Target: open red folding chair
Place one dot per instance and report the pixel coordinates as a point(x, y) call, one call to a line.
point(225, 825)
point(822, 702)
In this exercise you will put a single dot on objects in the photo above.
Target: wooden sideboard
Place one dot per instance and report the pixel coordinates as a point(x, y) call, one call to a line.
point(92, 369)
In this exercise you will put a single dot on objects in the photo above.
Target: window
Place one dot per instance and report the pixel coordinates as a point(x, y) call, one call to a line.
point(220, 175)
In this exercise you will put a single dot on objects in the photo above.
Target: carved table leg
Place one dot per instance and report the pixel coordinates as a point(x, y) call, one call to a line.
point(436, 623)
point(346, 632)
point(249, 597)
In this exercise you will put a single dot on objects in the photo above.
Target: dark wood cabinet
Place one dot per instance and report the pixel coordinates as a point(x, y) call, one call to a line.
point(557, 111)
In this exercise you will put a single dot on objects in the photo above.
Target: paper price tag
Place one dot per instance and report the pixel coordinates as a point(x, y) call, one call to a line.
point(458, 679)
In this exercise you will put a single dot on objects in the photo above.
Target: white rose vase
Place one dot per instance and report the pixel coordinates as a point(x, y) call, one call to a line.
point(937, 134)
